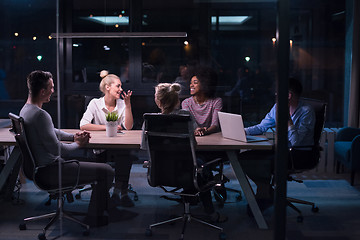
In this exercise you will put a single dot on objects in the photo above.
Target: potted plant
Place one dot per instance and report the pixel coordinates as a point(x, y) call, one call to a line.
point(111, 124)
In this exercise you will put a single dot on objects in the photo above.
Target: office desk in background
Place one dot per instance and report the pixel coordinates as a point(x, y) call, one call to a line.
point(132, 139)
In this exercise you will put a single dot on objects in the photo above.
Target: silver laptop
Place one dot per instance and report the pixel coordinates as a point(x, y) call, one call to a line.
point(232, 127)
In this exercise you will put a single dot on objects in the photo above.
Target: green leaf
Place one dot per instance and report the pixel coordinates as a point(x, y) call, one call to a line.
point(112, 117)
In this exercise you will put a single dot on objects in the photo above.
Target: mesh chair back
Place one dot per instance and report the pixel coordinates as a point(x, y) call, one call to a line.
point(319, 108)
point(31, 170)
point(19, 131)
point(171, 148)
point(307, 157)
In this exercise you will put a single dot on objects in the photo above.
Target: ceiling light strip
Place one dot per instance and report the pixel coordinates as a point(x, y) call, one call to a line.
point(121, 35)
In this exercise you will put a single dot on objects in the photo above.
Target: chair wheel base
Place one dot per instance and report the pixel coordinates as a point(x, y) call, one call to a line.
point(238, 197)
point(22, 226)
point(315, 209)
point(86, 233)
point(148, 232)
point(41, 236)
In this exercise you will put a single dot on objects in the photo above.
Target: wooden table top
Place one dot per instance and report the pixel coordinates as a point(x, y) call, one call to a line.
point(132, 139)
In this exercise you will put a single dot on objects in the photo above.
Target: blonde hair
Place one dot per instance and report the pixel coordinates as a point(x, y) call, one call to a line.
point(107, 79)
point(167, 95)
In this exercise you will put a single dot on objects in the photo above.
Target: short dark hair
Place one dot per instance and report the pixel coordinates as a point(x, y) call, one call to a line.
point(36, 81)
point(295, 86)
point(208, 80)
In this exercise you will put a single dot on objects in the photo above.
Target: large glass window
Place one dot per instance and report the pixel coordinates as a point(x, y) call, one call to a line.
point(245, 56)
point(236, 38)
point(90, 56)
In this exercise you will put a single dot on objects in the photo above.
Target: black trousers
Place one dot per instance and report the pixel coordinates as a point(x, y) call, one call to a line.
point(100, 175)
point(203, 157)
point(123, 163)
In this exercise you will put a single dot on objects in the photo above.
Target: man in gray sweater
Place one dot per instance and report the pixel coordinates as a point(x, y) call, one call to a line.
point(47, 148)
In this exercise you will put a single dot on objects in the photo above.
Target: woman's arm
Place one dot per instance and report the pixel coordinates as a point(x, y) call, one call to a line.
point(93, 127)
point(214, 127)
point(129, 120)
point(202, 131)
point(87, 118)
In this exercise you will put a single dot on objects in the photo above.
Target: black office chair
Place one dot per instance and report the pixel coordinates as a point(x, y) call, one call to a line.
point(304, 158)
point(33, 172)
point(172, 163)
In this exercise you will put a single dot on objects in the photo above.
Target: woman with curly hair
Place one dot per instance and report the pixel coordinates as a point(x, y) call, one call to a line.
point(203, 105)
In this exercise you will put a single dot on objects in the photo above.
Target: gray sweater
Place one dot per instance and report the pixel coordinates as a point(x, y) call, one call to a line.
point(43, 138)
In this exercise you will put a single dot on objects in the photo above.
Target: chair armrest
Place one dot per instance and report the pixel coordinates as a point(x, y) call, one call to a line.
point(347, 134)
point(211, 162)
point(210, 184)
point(306, 148)
point(76, 182)
point(207, 164)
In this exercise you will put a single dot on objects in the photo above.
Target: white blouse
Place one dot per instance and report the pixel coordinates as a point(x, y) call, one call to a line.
point(96, 112)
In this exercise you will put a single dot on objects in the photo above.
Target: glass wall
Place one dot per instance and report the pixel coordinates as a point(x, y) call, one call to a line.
point(24, 46)
point(237, 39)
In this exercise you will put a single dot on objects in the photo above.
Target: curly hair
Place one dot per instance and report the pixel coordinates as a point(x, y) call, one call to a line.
point(167, 94)
point(208, 80)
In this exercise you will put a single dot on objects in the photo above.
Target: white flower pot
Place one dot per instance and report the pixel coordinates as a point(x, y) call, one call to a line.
point(111, 129)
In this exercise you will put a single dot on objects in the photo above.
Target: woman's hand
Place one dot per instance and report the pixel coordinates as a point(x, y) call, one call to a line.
point(119, 128)
point(200, 131)
point(126, 96)
point(82, 138)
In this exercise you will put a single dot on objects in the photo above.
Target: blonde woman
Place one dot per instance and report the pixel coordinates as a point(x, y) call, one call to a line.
point(167, 99)
point(94, 119)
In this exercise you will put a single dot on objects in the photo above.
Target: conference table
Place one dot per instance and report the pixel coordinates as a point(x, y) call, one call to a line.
point(132, 139)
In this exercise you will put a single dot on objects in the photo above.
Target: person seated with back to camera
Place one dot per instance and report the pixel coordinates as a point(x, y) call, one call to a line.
point(94, 119)
point(258, 164)
point(167, 100)
point(45, 144)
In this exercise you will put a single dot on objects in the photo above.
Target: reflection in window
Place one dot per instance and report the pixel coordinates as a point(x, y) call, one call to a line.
point(90, 56)
point(161, 59)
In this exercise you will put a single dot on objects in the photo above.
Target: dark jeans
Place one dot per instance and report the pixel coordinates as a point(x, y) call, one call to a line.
point(100, 175)
point(203, 157)
point(121, 158)
point(123, 163)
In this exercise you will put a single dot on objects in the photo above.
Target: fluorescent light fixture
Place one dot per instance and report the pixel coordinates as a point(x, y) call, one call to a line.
point(109, 20)
point(230, 20)
point(121, 35)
